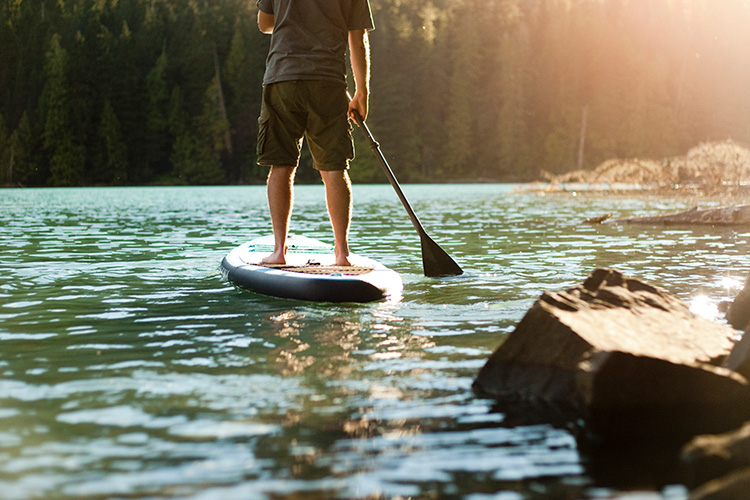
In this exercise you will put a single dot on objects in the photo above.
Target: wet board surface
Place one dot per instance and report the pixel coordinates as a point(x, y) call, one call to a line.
point(310, 273)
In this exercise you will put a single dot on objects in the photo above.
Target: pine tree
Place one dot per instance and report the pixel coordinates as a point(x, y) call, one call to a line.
point(194, 162)
point(243, 72)
point(22, 166)
point(512, 56)
point(157, 140)
point(66, 158)
point(197, 150)
point(177, 115)
point(463, 104)
point(6, 165)
point(116, 156)
point(213, 123)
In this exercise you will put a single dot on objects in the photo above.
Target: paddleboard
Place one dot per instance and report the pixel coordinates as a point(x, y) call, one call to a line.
point(310, 273)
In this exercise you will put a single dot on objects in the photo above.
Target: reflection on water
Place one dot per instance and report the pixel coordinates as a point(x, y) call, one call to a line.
point(130, 368)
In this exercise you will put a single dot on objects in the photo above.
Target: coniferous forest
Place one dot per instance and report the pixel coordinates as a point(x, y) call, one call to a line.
point(132, 92)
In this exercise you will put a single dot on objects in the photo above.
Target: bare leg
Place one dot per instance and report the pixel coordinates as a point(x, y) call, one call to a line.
point(280, 197)
point(339, 201)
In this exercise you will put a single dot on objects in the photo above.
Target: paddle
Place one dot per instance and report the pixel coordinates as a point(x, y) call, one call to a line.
point(435, 260)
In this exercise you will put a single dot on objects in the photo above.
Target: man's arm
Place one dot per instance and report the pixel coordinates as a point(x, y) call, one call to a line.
point(265, 22)
point(359, 49)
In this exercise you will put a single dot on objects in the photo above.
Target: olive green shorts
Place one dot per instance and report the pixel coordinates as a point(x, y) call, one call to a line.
point(311, 109)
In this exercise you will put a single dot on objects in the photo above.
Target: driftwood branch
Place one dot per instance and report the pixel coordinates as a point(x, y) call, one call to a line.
point(723, 216)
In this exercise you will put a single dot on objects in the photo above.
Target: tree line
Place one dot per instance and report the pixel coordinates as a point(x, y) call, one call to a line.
point(133, 92)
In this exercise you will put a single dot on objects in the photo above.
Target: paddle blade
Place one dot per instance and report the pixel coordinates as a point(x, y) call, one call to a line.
point(436, 261)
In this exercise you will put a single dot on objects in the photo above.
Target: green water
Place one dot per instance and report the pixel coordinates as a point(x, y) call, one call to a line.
point(130, 369)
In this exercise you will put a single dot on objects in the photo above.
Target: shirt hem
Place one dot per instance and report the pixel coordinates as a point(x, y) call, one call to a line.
point(292, 78)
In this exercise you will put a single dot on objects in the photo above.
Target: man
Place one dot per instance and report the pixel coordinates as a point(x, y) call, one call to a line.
point(304, 95)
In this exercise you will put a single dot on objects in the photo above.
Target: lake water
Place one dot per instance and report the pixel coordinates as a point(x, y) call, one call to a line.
point(130, 369)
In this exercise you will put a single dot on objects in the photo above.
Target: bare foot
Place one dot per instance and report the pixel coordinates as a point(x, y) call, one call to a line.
point(276, 258)
point(343, 260)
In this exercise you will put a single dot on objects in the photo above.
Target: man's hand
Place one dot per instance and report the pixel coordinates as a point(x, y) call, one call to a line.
point(266, 22)
point(358, 103)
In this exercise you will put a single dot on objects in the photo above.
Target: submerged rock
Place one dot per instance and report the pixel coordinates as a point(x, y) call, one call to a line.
point(733, 486)
point(708, 457)
point(738, 314)
point(627, 357)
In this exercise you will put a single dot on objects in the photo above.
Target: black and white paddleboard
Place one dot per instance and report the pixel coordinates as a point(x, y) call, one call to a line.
point(310, 273)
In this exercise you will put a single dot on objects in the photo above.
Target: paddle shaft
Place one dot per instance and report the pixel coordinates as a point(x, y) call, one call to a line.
point(435, 260)
point(389, 173)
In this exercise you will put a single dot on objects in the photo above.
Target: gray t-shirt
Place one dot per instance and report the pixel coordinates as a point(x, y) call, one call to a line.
point(310, 37)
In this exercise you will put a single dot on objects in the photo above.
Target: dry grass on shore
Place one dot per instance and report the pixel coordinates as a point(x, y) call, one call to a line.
point(709, 169)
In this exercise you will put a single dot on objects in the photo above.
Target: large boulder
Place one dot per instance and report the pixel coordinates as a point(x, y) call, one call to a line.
point(627, 357)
